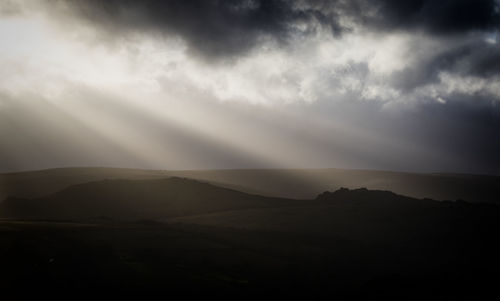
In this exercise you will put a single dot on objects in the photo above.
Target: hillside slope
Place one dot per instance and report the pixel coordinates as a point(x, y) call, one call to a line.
point(134, 199)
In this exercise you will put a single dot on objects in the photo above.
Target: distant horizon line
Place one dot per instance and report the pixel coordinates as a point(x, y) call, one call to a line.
point(457, 173)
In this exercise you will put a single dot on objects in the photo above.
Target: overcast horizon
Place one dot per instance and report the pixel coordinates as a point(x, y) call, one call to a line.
point(408, 86)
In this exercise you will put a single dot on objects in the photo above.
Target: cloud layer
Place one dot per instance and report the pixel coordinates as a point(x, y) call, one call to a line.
point(221, 28)
point(406, 85)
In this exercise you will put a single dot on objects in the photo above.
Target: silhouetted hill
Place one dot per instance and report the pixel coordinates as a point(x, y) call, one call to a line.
point(134, 199)
point(364, 215)
point(288, 183)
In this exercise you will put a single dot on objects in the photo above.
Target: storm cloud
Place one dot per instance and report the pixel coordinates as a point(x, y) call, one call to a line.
point(403, 85)
point(436, 17)
point(212, 29)
point(219, 28)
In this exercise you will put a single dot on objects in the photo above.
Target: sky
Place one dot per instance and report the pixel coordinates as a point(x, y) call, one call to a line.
point(383, 84)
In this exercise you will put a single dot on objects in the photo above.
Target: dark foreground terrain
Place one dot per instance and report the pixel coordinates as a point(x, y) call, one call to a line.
point(177, 236)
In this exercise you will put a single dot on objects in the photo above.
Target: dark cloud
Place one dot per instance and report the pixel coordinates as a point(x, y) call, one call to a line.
point(484, 61)
point(438, 17)
point(477, 58)
point(221, 29)
point(210, 28)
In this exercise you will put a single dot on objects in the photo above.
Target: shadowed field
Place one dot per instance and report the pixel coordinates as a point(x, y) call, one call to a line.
point(176, 235)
